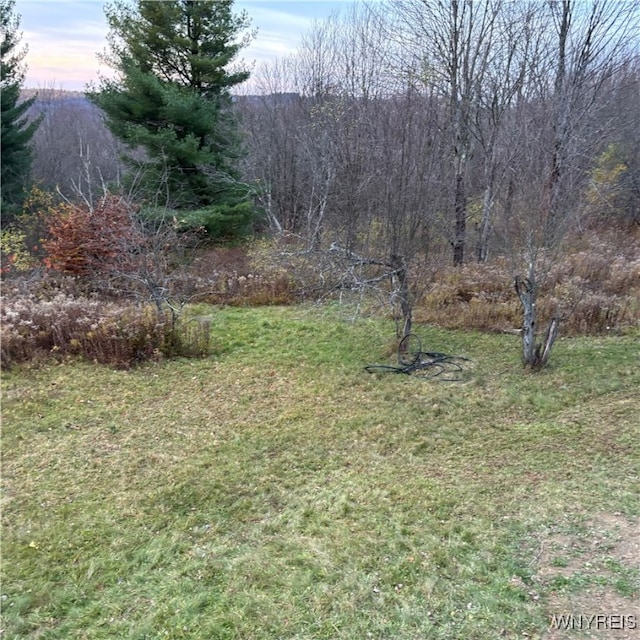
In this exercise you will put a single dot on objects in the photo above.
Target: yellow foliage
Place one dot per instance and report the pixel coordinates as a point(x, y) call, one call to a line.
point(605, 179)
point(15, 254)
point(38, 201)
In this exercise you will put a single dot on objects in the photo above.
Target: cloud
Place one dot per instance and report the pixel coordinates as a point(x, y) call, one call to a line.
point(279, 31)
point(65, 36)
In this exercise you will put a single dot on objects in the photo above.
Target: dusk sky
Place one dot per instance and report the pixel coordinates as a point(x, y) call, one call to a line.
point(64, 36)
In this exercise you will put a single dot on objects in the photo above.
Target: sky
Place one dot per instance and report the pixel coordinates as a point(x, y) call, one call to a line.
point(64, 36)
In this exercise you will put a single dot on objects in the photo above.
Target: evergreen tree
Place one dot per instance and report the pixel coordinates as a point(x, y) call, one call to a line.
point(172, 99)
point(16, 130)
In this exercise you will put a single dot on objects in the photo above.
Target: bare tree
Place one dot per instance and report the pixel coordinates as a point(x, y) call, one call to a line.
point(515, 43)
point(613, 195)
point(452, 42)
point(351, 161)
point(585, 46)
point(73, 150)
point(398, 123)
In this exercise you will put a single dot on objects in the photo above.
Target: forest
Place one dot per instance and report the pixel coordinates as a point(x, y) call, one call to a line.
point(470, 164)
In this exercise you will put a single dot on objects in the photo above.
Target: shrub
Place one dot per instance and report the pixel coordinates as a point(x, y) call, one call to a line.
point(15, 256)
point(83, 240)
point(104, 332)
point(20, 243)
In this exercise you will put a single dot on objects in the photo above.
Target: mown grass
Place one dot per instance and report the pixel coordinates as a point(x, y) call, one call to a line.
point(276, 490)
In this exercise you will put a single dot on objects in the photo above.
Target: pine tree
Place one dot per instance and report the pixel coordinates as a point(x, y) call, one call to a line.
point(16, 130)
point(172, 99)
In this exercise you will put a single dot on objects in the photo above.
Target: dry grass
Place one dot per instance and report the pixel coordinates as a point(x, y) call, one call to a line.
point(106, 332)
point(230, 275)
point(595, 288)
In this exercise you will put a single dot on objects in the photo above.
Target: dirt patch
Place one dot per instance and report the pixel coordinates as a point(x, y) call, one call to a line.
point(593, 577)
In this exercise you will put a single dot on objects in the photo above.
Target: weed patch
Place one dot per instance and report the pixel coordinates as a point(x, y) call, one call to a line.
point(117, 334)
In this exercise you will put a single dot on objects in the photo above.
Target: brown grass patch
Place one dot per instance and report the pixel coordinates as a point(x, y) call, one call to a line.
point(608, 539)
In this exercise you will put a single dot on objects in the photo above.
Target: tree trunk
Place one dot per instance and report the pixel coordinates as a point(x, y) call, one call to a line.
point(403, 294)
point(526, 290)
point(460, 207)
point(544, 350)
point(482, 247)
point(534, 356)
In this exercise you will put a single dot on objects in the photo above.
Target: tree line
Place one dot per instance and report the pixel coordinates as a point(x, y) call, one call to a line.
point(410, 127)
point(398, 131)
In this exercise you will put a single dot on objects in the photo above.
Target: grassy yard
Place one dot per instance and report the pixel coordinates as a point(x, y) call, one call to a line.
point(276, 490)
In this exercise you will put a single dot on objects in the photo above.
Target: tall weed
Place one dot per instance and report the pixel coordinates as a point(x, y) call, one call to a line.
point(112, 333)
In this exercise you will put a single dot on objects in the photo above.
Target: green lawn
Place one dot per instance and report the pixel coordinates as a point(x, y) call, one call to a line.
point(276, 490)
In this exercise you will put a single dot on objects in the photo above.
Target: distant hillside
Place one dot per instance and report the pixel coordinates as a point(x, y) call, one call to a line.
point(62, 94)
point(53, 94)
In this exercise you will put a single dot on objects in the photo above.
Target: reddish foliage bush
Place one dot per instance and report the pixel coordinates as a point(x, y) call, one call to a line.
point(84, 240)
